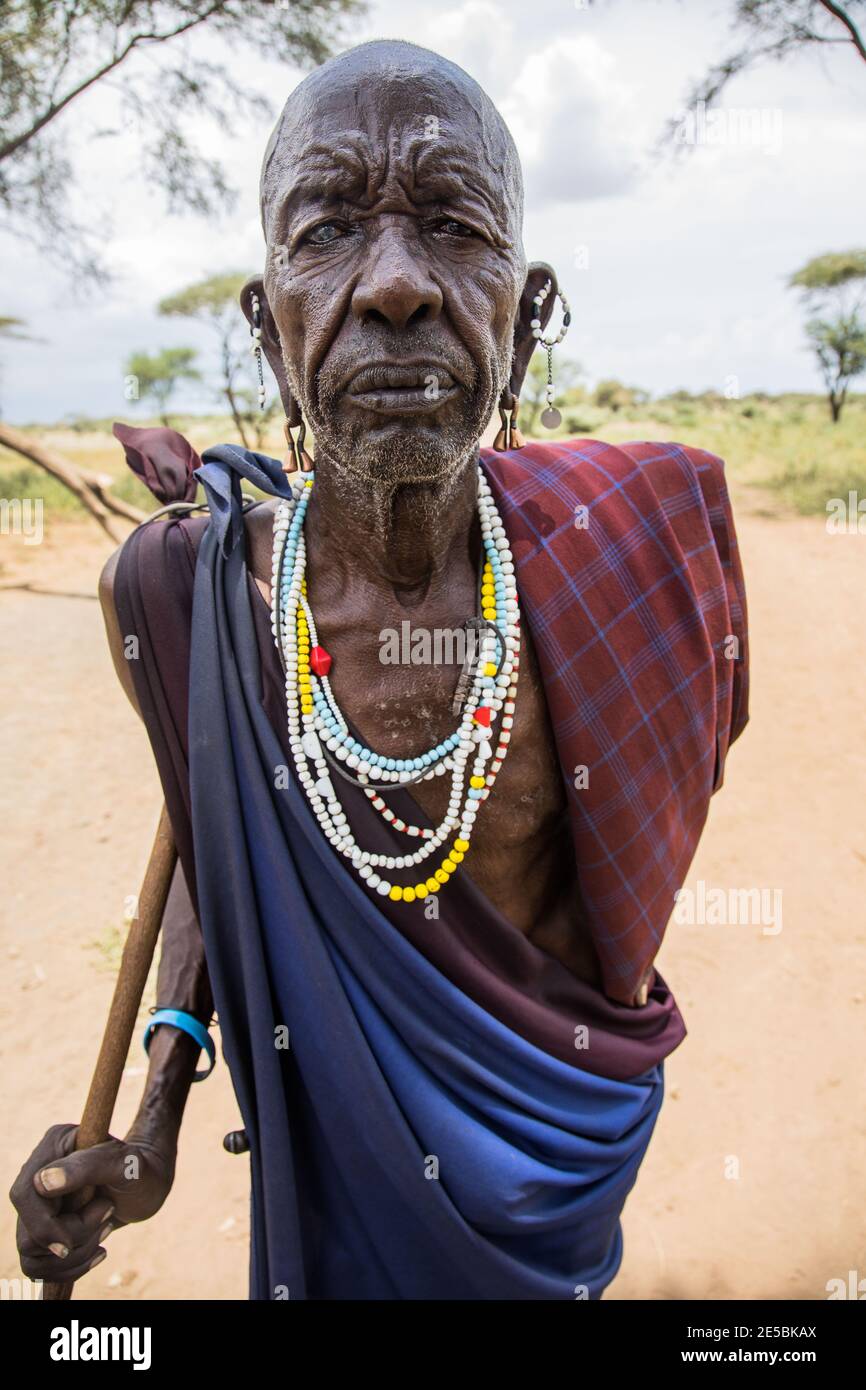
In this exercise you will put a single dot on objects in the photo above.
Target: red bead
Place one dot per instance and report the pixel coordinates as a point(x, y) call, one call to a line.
point(482, 716)
point(320, 662)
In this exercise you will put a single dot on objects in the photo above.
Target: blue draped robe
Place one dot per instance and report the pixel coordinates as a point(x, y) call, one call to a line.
point(405, 1144)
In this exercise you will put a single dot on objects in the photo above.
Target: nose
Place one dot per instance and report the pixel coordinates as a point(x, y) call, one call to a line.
point(395, 287)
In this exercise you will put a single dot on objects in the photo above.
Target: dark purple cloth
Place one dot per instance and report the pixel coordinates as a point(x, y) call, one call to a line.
point(163, 460)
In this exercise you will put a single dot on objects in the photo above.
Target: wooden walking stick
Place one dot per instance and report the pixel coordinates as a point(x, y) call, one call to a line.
point(135, 965)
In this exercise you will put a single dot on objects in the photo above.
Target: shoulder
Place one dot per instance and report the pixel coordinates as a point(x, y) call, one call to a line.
point(113, 630)
point(671, 487)
point(145, 591)
point(597, 463)
point(155, 563)
point(644, 522)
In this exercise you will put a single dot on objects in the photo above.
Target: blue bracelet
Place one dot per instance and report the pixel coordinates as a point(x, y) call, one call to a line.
point(187, 1024)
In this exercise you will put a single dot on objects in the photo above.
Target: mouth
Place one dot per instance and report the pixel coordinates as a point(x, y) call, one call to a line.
point(405, 389)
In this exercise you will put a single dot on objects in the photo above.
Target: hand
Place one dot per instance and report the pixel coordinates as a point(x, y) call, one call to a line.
point(130, 1180)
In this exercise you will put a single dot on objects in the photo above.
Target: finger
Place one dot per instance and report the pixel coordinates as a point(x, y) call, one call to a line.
point(96, 1167)
point(91, 1217)
point(63, 1271)
point(56, 1144)
point(42, 1225)
point(39, 1263)
point(75, 1229)
point(45, 1218)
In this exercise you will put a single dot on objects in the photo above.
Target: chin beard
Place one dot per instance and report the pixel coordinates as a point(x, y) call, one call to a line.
point(422, 452)
point(399, 454)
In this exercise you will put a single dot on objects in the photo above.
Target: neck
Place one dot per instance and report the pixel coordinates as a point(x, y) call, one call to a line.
point(401, 538)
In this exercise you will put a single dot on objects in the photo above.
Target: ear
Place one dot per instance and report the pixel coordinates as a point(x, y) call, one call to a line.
point(537, 276)
point(270, 342)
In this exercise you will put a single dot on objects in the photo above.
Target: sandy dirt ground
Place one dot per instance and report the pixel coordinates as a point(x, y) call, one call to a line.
point(753, 1185)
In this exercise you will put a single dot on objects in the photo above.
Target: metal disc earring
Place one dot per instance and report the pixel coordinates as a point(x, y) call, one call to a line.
point(551, 417)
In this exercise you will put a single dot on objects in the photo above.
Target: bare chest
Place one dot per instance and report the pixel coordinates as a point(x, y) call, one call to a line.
point(521, 855)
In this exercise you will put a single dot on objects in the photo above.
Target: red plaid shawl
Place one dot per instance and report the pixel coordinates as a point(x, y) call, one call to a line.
point(631, 586)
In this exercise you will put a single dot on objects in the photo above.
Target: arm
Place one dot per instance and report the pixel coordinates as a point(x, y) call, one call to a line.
point(46, 1226)
point(182, 981)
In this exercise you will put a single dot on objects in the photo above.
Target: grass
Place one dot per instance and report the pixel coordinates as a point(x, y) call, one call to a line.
point(26, 480)
point(108, 947)
point(782, 453)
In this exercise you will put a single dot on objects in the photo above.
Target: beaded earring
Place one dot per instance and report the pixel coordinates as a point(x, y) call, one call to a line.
point(256, 345)
point(551, 418)
point(297, 460)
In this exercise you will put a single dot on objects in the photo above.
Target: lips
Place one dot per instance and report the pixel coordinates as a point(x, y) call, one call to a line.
point(404, 388)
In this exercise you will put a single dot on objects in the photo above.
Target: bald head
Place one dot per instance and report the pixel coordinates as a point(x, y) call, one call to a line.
point(379, 94)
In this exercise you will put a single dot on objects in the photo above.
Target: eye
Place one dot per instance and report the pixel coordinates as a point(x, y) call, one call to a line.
point(325, 233)
point(451, 227)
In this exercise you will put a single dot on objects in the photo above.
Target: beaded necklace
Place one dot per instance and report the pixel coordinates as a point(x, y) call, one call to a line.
point(321, 741)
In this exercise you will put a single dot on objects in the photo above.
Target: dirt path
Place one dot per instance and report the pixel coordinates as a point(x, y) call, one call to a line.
point(768, 1083)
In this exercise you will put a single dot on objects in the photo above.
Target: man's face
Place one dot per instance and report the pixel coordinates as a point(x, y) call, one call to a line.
point(394, 274)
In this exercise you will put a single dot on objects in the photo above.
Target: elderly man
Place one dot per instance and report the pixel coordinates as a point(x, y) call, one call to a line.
point(425, 897)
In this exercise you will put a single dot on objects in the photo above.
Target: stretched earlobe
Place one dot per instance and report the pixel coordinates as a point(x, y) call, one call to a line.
point(509, 436)
point(297, 460)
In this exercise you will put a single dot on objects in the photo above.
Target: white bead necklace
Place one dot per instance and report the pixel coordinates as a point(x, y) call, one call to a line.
point(321, 741)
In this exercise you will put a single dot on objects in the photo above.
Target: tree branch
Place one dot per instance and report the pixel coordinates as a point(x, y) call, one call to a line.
point(55, 108)
point(844, 18)
point(89, 489)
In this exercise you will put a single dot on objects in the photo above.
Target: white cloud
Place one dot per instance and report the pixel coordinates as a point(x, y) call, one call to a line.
point(575, 123)
point(479, 36)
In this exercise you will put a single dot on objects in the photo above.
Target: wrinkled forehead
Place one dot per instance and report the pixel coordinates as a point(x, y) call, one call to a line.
point(351, 136)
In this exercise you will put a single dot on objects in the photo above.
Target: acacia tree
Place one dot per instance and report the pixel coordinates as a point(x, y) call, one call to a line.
point(53, 52)
point(833, 288)
point(773, 30)
point(158, 375)
point(215, 301)
point(777, 28)
point(93, 490)
point(614, 395)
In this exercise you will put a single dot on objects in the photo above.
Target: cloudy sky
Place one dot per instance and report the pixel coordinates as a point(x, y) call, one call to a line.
point(675, 268)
